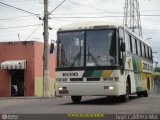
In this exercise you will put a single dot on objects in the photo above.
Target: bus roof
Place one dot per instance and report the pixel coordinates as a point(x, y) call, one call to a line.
point(89, 25)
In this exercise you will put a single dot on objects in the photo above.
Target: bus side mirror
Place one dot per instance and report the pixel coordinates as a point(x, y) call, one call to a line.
point(121, 64)
point(121, 38)
point(123, 46)
point(51, 47)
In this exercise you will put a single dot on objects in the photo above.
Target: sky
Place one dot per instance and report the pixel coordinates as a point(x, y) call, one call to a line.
point(12, 21)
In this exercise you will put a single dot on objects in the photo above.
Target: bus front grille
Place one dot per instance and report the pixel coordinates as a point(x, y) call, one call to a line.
point(76, 79)
point(93, 79)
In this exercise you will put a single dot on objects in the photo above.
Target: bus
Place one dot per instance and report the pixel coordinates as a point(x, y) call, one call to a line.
point(102, 59)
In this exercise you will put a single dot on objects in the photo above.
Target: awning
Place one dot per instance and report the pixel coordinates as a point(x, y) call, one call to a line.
point(13, 64)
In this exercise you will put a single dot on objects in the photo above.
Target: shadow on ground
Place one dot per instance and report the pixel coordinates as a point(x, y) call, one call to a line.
point(103, 101)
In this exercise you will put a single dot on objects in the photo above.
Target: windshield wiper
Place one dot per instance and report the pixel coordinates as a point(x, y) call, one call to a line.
point(93, 58)
point(78, 57)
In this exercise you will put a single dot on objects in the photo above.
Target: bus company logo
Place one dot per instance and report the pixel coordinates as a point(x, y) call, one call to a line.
point(4, 116)
point(70, 74)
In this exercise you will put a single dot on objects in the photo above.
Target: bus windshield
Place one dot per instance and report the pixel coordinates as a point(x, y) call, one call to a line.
point(95, 47)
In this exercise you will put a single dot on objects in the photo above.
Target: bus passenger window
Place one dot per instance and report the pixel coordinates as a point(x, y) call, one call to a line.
point(149, 56)
point(138, 48)
point(151, 53)
point(128, 42)
point(144, 51)
point(141, 48)
point(134, 46)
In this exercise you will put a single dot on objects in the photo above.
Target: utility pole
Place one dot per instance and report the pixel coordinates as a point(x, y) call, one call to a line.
point(132, 16)
point(45, 52)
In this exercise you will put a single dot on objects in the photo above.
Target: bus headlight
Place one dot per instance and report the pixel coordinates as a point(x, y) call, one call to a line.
point(60, 88)
point(111, 88)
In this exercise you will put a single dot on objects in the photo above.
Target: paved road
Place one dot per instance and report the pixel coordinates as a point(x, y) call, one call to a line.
point(88, 105)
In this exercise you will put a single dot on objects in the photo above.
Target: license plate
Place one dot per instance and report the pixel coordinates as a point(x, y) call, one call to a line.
point(63, 92)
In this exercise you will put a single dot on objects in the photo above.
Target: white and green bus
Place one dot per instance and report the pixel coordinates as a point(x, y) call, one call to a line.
point(102, 59)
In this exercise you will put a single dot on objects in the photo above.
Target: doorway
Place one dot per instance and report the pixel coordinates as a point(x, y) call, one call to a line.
point(17, 83)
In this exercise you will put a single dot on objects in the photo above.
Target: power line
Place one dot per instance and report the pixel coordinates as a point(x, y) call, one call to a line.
point(19, 9)
point(32, 33)
point(20, 26)
point(20, 1)
point(15, 17)
point(57, 6)
point(86, 13)
point(83, 16)
point(98, 12)
point(96, 16)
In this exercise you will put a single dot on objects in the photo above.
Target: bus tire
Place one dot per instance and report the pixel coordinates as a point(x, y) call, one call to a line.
point(145, 93)
point(125, 98)
point(139, 94)
point(76, 99)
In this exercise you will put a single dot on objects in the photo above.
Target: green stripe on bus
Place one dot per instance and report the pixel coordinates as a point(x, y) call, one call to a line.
point(88, 73)
point(93, 73)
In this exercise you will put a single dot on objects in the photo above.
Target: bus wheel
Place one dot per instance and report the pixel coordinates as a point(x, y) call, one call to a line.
point(125, 98)
point(76, 99)
point(145, 93)
point(139, 94)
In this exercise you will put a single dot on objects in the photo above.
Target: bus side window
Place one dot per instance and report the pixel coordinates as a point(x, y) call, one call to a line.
point(134, 46)
point(142, 50)
point(146, 52)
point(128, 42)
point(151, 54)
point(138, 48)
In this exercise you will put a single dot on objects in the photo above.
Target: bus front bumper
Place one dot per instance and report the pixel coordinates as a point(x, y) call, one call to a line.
point(88, 89)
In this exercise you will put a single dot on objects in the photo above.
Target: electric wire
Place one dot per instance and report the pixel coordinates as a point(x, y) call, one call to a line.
point(96, 16)
point(11, 18)
point(19, 26)
point(32, 32)
point(19, 9)
point(57, 6)
point(99, 12)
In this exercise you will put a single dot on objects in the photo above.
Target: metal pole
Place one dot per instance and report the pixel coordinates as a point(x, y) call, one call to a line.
point(45, 53)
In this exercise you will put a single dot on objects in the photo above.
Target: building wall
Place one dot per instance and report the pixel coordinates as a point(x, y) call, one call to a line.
point(32, 52)
point(4, 82)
